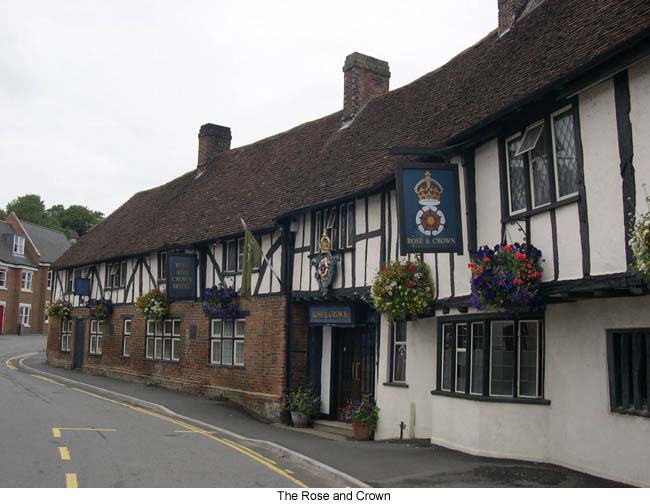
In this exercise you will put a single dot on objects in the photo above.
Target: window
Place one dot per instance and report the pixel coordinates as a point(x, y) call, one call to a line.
point(27, 280)
point(50, 278)
point(532, 172)
point(511, 367)
point(162, 265)
point(227, 342)
point(339, 222)
point(163, 340)
point(19, 245)
point(240, 254)
point(628, 354)
point(126, 337)
point(66, 334)
point(231, 255)
point(69, 281)
point(398, 352)
point(23, 314)
point(95, 337)
point(3, 278)
point(116, 275)
point(46, 317)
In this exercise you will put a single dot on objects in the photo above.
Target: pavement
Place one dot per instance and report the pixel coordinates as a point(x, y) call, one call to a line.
point(319, 461)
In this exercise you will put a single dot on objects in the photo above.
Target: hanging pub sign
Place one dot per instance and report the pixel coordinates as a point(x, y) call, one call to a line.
point(331, 315)
point(82, 286)
point(428, 199)
point(181, 276)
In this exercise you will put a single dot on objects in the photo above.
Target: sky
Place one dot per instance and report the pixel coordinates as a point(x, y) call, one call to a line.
point(102, 99)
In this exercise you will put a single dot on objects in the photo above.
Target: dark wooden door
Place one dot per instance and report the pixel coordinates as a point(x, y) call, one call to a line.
point(79, 337)
point(349, 367)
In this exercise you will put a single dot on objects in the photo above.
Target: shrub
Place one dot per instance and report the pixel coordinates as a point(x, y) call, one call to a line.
point(364, 412)
point(303, 400)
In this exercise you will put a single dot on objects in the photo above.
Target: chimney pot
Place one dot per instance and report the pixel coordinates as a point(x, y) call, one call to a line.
point(213, 139)
point(365, 78)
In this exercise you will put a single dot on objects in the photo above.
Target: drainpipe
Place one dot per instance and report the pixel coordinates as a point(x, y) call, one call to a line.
point(287, 273)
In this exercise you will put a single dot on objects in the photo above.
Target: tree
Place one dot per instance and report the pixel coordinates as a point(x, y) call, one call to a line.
point(3, 214)
point(29, 207)
point(79, 218)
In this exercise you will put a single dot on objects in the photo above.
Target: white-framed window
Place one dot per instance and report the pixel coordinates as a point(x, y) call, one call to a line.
point(66, 335)
point(231, 256)
point(3, 278)
point(564, 153)
point(162, 265)
point(126, 337)
point(227, 342)
point(476, 358)
point(24, 313)
point(27, 280)
point(528, 360)
point(116, 275)
point(445, 362)
point(50, 279)
point(19, 244)
point(502, 358)
point(398, 352)
point(96, 335)
point(461, 357)
point(69, 281)
point(163, 340)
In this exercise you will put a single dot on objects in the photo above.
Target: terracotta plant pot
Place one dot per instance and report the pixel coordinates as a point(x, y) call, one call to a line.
point(361, 432)
point(299, 419)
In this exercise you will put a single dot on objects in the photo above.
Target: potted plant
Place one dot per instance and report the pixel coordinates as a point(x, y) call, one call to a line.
point(60, 310)
point(507, 277)
point(303, 405)
point(153, 304)
point(100, 309)
point(639, 242)
point(403, 290)
point(363, 415)
point(221, 302)
point(285, 411)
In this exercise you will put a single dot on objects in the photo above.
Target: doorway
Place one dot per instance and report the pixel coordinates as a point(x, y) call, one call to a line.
point(79, 339)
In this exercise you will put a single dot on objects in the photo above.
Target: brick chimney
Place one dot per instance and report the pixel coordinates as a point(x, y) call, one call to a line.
point(365, 78)
point(509, 12)
point(213, 139)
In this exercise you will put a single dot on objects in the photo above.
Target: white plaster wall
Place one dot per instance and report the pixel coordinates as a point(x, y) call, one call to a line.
point(639, 76)
point(603, 179)
point(541, 235)
point(444, 276)
point(569, 250)
point(461, 271)
point(488, 200)
point(374, 253)
point(395, 402)
point(374, 212)
point(325, 369)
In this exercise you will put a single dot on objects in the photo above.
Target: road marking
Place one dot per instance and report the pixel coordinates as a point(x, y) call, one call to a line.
point(194, 432)
point(9, 361)
point(56, 431)
point(235, 446)
point(290, 471)
point(50, 380)
point(64, 452)
point(71, 480)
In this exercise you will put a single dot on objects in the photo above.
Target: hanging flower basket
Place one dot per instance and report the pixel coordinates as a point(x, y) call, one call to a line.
point(507, 277)
point(403, 290)
point(100, 309)
point(153, 304)
point(221, 302)
point(60, 310)
point(640, 244)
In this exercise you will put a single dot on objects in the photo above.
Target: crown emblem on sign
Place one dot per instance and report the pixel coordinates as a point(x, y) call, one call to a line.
point(325, 242)
point(429, 191)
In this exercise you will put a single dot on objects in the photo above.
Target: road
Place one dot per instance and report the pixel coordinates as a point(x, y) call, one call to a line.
point(58, 435)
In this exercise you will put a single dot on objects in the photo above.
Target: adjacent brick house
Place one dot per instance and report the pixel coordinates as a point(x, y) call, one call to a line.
point(26, 253)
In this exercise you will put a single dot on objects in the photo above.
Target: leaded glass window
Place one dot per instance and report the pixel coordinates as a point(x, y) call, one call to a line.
point(516, 177)
point(540, 177)
point(503, 358)
point(566, 161)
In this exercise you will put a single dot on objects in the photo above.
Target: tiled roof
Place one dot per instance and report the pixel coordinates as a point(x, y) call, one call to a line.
point(7, 255)
point(318, 161)
point(50, 243)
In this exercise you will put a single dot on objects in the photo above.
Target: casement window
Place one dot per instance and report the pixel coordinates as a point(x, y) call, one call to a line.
point(398, 347)
point(541, 163)
point(227, 342)
point(496, 358)
point(126, 337)
point(339, 222)
point(69, 281)
point(162, 265)
point(3, 278)
point(50, 279)
point(96, 335)
point(235, 255)
point(27, 281)
point(163, 340)
point(66, 335)
point(24, 312)
point(628, 357)
point(116, 275)
point(19, 245)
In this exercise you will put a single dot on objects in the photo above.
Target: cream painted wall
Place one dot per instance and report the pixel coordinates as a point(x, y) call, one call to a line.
point(639, 76)
point(395, 403)
point(488, 201)
point(541, 236)
point(325, 368)
point(568, 244)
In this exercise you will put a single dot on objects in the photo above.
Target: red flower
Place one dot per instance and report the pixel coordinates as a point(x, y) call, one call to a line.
point(487, 260)
point(409, 284)
point(471, 265)
point(507, 248)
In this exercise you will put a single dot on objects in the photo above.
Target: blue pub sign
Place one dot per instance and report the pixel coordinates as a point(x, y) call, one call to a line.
point(428, 197)
point(82, 286)
point(181, 276)
point(339, 315)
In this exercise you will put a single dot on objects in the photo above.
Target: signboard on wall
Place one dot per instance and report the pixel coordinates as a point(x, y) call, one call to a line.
point(330, 315)
point(181, 276)
point(428, 199)
point(82, 286)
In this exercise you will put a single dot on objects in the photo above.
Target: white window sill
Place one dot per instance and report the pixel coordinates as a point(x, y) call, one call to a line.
point(25, 290)
point(3, 288)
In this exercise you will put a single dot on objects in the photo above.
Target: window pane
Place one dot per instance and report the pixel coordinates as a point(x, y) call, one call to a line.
point(216, 328)
point(93, 344)
point(125, 349)
point(399, 372)
point(540, 174)
point(239, 353)
point(151, 327)
point(478, 331)
point(530, 139)
point(93, 326)
point(350, 224)
point(231, 256)
point(502, 367)
point(343, 227)
point(99, 327)
point(149, 348)
point(157, 348)
point(228, 329)
point(216, 352)
point(226, 354)
point(99, 344)
point(159, 328)
point(176, 349)
point(400, 332)
point(240, 254)
point(565, 154)
point(176, 331)
point(446, 355)
point(528, 343)
point(461, 357)
point(240, 328)
point(127, 326)
point(517, 178)
point(167, 348)
point(168, 327)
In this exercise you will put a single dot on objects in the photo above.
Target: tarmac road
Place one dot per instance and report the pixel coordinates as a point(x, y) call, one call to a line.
point(57, 435)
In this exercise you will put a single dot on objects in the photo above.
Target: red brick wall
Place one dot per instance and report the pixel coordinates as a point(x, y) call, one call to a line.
point(13, 296)
point(299, 341)
point(258, 385)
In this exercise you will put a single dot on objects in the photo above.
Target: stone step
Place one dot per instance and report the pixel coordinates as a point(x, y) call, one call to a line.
point(338, 428)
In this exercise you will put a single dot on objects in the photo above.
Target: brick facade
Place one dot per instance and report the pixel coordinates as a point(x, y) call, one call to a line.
point(258, 385)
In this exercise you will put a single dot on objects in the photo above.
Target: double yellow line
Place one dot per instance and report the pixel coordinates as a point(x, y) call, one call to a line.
point(10, 361)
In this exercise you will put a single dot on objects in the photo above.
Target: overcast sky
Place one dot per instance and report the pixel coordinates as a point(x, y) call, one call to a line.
point(101, 99)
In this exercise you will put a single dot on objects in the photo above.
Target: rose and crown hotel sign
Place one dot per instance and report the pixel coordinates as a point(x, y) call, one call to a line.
point(181, 283)
point(428, 197)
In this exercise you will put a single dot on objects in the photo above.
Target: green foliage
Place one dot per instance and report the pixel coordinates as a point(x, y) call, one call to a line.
point(60, 310)
point(303, 400)
point(153, 305)
point(29, 207)
point(639, 242)
point(364, 412)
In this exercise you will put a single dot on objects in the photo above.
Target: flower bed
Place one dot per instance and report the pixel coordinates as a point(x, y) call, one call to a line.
point(507, 277)
point(221, 302)
point(403, 290)
point(153, 304)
